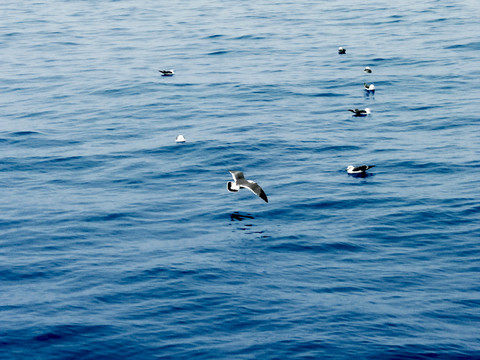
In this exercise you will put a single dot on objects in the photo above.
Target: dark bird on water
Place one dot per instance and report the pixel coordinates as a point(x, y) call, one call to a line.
point(167, 72)
point(360, 112)
point(358, 169)
point(367, 70)
point(342, 50)
point(241, 182)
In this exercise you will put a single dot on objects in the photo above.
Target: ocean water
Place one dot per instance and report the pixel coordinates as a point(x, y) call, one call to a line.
point(118, 243)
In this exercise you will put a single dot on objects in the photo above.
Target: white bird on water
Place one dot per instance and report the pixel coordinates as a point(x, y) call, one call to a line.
point(241, 182)
point(180, 139)
point(369, 87)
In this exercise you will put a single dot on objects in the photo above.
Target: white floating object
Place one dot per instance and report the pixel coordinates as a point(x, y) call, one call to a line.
point(180, 139)
point(369, 87)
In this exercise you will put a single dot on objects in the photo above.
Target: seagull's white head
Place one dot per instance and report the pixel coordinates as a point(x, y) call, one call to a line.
point(350, 168)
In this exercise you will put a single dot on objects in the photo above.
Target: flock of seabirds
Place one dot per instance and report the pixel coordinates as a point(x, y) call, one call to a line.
point(239, 181)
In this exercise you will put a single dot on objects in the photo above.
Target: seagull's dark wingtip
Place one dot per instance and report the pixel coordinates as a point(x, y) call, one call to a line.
point(263, 196)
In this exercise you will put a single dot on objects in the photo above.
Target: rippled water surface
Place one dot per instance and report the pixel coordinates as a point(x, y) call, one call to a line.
point(117, 242)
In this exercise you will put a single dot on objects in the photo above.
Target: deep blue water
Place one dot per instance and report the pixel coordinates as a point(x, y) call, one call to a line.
point(116, 242)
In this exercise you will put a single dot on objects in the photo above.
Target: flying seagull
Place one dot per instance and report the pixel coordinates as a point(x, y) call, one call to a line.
point(167, 72)
point(241, 182)
point(359, 112)
point(342, 50)
point(368, 70)
point(358, 169)
point(369, 87)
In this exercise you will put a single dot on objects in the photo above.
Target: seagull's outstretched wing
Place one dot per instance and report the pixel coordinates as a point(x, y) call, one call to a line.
point(237, 175)
point(255, 188)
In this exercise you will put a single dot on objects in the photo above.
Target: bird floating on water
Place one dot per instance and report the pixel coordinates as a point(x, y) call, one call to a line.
point(358, 169)
point(241, 182)
point(342, 50)
point(167, 72)
point(180, 139)
point(367, 70)
point(369, 87)
point(360, 112)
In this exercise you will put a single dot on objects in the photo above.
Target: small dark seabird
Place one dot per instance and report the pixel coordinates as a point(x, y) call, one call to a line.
point(241, 182)
point(167, 72)
point(359, 112)
point(369, 87)
point(367, 70)
point(358, 169)
point(342, 50)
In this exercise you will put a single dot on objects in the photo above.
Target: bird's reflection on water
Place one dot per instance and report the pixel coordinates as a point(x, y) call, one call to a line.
point(361, 175)
point(236, 216)
point(240, 217)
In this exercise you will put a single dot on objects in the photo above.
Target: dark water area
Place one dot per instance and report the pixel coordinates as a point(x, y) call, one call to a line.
point(118, 242)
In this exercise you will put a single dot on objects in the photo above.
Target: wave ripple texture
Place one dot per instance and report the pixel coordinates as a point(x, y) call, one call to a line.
point(116, 242)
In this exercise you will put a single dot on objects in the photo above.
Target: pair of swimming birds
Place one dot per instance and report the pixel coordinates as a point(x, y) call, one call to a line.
point(241, 183)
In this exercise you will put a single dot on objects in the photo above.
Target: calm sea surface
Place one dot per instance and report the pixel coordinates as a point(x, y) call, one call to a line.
point(118, 243)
